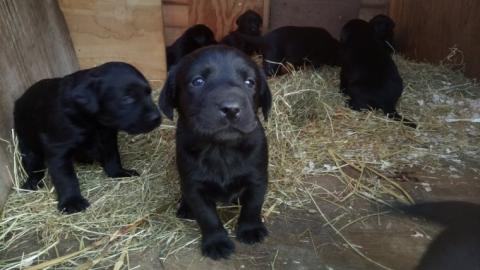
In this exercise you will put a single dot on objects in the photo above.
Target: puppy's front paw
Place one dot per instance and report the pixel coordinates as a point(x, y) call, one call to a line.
point(32, 185)
point(73, 205)
point(251, 233)
point(184, 211)
point(217, 246)
point(123, 173)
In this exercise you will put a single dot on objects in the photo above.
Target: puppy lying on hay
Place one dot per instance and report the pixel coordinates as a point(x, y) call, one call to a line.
point(78, 117)
point(221, 149)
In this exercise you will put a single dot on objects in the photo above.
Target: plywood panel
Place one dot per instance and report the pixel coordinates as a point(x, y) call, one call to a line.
point(427, 29)
point(219, 15)
point(118, 30)
point(35, 44)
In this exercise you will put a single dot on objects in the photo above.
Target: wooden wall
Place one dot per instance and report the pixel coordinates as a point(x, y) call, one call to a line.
point(370, 8)
point(118, 30)
point(219, 15)
point(35, 45)
point(328, 14)
point(427, 29)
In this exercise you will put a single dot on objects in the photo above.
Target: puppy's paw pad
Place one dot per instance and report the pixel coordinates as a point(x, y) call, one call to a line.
point(251, 234)
point(218, 247)
point(124, 173)
point(73, 205)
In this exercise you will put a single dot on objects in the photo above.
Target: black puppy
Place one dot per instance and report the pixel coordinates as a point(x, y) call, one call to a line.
point(195, 37)
point(368, 75)
point(296, 45)
point(383, 28)
point(80, 115)
point(458, 245)
point(222, 151)
point(249, 23)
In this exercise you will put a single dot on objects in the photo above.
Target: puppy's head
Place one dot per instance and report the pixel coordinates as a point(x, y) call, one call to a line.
point(217, 91)
point(356, 31)
point(383, 27)
point(116, 95)
point(249, 23)
point(200, 35)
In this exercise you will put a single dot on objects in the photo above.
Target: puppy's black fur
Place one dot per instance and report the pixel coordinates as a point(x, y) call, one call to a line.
point(458, 245)
point(368, 75)
point(195, 37)
point(80, 115)
point(296, 45)
point(222, 151)
point(383, 27)
point(249, 23)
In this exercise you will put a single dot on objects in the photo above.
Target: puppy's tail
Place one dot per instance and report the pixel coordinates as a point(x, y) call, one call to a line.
point(447, 213)
point(397, 117)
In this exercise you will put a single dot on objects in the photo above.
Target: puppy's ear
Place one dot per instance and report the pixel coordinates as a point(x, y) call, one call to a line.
point(168, 95)
point(265, 96)
point(83, 95)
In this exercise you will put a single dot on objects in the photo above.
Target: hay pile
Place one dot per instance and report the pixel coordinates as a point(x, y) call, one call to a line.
point(311, 133)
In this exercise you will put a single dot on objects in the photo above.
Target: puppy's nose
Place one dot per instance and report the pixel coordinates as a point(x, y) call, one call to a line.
point(231, 110)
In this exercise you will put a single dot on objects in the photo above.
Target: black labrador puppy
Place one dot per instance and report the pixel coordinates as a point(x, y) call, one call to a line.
point(249, 23)
point(193, 38)
point(368, 75)
point(458, 245)
point(222, 151)
point(383, 28)
point(296, 45)
point(79, 115)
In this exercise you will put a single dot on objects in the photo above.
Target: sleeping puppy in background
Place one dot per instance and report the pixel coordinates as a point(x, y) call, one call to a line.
point(296, 45)
point(383, 28)
point(458, 245)
point(249, 23)
point(79, 115)
point(368, 75)
point(193, 38)
point(222, 152)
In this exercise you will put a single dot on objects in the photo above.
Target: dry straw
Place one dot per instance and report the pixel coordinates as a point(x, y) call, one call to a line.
point(311, 134)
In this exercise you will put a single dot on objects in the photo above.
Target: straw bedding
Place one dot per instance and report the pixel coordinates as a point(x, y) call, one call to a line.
point(311, 133)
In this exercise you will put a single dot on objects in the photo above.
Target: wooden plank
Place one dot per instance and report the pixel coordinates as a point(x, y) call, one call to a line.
point(35, 45)
point(118, 30)
point(427, 29)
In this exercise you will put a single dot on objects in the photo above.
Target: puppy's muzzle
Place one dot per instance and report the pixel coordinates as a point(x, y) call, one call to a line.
point(230, 110)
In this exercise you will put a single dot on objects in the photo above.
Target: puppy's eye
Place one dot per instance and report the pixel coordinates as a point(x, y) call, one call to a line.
point(250, 82)
point(198, 81)
point(127, 100)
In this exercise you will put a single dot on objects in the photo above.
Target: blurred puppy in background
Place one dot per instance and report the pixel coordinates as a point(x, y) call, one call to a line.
point(193, 38)
point(368, 75)
point(249, 23)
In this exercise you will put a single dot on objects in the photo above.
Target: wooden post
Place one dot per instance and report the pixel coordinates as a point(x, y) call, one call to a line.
point(35, 44)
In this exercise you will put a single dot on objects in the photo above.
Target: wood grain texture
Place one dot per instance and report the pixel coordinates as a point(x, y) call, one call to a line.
point(118, 30)
point(219, 15)
point(35, 44)
point(427, 29)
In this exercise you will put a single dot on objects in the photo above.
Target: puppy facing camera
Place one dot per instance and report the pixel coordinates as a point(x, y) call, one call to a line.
point(222, 152)
point(78, 117)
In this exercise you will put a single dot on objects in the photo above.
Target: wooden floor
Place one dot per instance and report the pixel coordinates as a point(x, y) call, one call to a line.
point(302, 240)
